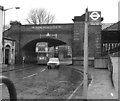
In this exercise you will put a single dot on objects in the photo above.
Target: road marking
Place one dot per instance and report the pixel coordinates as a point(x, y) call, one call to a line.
point(62, 81)
point(74, 91)
point(30, 75)
point(34, 74)
point(111, 94)
point(91, 81)
point(43, 70)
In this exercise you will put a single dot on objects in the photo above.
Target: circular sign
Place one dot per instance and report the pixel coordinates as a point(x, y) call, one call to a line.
point(94, 15)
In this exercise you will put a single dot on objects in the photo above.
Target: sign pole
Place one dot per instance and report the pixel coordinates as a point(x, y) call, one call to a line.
point(1, 33)
point(85, 82)
point(119, 12)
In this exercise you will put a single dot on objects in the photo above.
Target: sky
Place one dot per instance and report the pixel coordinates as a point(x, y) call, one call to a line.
point(64, 10)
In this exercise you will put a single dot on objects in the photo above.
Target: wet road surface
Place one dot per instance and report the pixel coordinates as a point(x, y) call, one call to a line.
point(42, 83)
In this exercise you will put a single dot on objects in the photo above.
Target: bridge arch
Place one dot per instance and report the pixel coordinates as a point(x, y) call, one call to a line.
point(51, 42)
point(28, 50)
point(72, 34)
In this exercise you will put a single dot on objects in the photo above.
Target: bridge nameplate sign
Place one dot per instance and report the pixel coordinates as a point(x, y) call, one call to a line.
point(46, 27)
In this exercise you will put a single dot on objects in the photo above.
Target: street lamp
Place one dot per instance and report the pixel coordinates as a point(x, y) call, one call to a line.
point(4, 10)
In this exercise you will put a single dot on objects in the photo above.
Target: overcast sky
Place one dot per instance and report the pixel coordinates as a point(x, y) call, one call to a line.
point(64, 10)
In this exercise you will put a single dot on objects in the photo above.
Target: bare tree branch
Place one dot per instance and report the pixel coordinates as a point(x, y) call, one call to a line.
point(40, 16)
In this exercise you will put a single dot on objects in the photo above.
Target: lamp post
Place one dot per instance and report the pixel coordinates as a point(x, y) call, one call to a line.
point(4, 10)
point(118, 12)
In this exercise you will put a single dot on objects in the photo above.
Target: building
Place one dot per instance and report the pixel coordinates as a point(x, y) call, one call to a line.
point(8, 51)
point(71, 34)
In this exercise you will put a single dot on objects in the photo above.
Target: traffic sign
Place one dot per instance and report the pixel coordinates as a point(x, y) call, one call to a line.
point(94, 17)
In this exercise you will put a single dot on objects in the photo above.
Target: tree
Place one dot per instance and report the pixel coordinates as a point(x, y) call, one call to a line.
point(40, 16)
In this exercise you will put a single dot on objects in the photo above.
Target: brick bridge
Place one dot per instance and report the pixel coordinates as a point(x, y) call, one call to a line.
point(72, 34)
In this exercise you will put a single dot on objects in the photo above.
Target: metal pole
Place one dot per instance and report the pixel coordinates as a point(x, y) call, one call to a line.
point(118, 13)
point(4, 19)
point(1, 35)
point(85, 56)
point(3, 39)
point(4, 10)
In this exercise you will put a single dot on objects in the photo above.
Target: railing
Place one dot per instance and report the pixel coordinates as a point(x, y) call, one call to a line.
point(112, 51)
point(111, 48)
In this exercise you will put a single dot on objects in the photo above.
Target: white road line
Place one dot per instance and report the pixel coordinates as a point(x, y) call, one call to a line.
point(91, 81)
point(111, 94)
point(62, 81)
point(34, 74)
point(43, 70)
point(30, 75)
point(74, 91)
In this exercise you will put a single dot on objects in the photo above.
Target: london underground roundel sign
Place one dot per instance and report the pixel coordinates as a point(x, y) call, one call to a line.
point(94, 15)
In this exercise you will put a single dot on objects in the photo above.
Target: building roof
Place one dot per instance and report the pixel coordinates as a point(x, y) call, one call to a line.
point(79, 18)
point(114, 27)
point(105, 25)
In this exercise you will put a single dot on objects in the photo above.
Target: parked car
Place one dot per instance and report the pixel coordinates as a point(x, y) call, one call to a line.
point(53, 63)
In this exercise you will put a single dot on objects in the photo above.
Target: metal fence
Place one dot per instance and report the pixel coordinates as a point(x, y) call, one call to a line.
point(110, 48)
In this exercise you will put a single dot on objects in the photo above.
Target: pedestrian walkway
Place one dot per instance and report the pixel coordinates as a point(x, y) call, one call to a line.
point(5, 68)
point(100, 87)
point(116, 64)
point(66, 61)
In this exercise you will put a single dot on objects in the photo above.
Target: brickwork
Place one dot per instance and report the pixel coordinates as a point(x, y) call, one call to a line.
point(71, 34)
point(78, 39)
point(95, 40)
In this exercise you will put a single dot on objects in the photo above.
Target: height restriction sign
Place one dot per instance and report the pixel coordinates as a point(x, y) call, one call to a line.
point(95, 17)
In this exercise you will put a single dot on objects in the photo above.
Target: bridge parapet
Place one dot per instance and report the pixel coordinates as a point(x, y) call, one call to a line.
point(47, 28)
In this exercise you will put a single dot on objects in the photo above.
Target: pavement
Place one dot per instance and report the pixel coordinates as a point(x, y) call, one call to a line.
point(100, 87)
point(6, 68)
point(115, 61)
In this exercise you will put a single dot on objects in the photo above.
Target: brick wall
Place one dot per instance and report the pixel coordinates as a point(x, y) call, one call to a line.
point(94, 41)
point(78, 39)
point(72, 34)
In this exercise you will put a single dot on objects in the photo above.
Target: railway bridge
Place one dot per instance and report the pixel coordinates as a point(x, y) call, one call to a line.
point(72, 34)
